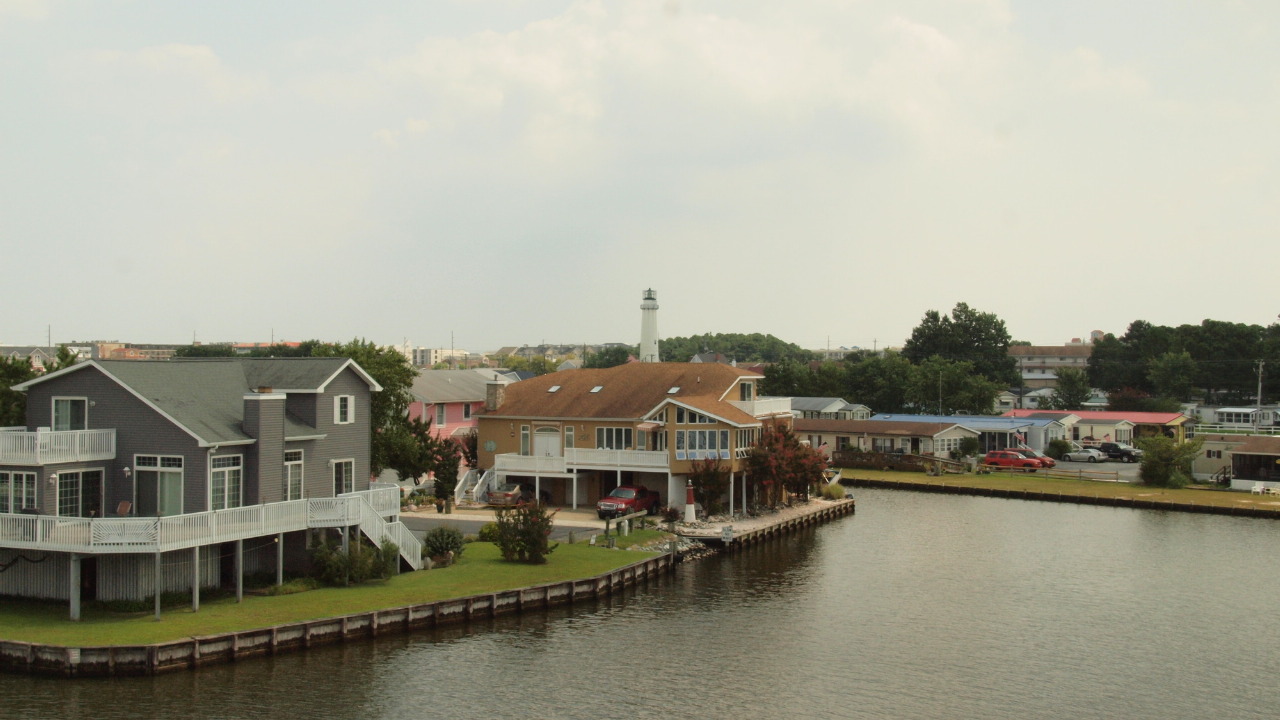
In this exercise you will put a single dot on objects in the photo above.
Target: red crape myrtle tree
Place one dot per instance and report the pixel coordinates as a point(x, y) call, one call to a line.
point(779, 461)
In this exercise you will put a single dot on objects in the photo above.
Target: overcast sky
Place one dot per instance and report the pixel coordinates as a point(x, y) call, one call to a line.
point(519, 171)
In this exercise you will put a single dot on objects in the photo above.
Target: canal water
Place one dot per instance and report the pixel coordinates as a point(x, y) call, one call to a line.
point(920, 606)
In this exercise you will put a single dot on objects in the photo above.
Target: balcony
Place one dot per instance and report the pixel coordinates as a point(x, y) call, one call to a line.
point(50, 447)
point(576, 458)
point(177, 532)
point(764, 407)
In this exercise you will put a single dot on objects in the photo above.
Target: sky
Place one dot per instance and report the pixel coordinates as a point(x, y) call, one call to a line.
point(477, 174)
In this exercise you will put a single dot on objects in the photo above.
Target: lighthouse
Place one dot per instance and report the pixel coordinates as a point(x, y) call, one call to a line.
point(649, 327)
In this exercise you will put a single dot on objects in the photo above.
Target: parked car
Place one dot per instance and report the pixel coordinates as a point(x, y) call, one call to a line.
point(627, 499)
point(509, 494)
point(1011, 459)
point(1092, 455)
point(1121, 452)
point(1045, 460)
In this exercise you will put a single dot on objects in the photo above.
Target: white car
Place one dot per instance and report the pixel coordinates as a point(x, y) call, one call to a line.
point(1092, 455)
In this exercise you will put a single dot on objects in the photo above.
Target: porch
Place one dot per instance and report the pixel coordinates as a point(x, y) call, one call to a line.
point(18, 446)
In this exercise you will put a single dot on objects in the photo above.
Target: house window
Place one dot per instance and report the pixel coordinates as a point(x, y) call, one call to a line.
point(440, 414)
point(466, 411)
point(568, 436)
point(343, 476)
point(842, 443)
point(17, 491)
point(226, 482)
point(79, 493)
point(524, 439)
point(344, 410)
point(161, 475)
point(70, 413)
point(613, 438)
point(746, 390)
point(292, 474)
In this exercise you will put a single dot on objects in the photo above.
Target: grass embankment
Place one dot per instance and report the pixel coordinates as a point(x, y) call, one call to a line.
point(1034, 482)
point(481, 570)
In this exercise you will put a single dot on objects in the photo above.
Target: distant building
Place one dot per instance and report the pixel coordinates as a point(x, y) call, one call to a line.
point(1038, 365)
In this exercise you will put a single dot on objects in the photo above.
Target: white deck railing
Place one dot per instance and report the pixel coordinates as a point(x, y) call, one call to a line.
point(1221, 429)
point(45, 447)
point(580, 458)
point(176, 532)
point(764, 407)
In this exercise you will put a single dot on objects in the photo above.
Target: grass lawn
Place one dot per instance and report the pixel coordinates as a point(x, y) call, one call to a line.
point(1036, 482)
point(481, 570)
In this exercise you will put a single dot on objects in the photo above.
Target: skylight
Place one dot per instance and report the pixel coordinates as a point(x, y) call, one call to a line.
point(597, 388)
point(553, 388)
point(674, 390)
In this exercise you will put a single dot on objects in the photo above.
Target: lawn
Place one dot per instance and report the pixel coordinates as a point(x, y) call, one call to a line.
point(481, 570)
point(1036, 482)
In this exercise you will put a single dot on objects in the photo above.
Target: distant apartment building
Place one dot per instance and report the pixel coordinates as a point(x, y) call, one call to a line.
point(1039, 364)
point(431, 357)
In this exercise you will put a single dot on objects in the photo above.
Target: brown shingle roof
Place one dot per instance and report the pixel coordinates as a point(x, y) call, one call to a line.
point(626, 391)
point(1083, 350)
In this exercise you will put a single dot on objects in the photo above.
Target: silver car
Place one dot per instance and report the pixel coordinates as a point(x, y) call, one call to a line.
point(1092, 455)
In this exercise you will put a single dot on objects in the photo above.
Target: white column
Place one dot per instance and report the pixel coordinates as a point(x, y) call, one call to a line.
point(240, 571)
point(731, 479)
point(159, 583)
point(195, 578)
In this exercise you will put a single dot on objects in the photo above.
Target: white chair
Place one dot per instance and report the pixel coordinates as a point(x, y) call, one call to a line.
point(1257, 489)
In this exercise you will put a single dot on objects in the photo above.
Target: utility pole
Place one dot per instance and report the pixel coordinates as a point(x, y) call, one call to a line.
point(1257, 401)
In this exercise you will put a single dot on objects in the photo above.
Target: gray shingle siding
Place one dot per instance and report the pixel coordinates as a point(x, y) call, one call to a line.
point(345, 441)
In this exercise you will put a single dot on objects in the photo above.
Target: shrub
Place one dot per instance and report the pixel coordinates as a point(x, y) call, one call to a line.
point(360, 563)
point(672, 514)
point(1057, 448)
point(833, 491)
point(524, 533)
point(439, 541)
point(489, 532)
point(968, 447)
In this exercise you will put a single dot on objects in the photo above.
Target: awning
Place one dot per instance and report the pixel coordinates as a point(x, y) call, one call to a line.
point(647, 426)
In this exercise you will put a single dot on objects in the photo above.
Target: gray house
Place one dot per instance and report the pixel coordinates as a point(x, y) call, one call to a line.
point(132, 478)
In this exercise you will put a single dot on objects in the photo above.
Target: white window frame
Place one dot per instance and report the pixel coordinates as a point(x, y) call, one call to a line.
point(344, 409)
point(441, 414)
point(349, 479)
point(292, 486)
point(225, 472)
point(64, 481)
point(164, 464)
point(53, 415)
point(19, 490)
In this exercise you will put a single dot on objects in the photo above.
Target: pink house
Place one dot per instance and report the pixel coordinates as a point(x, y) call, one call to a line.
point(451, 399)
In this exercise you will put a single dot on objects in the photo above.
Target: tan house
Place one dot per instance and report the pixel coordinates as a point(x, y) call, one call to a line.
point(916, 438)
point(577, 434)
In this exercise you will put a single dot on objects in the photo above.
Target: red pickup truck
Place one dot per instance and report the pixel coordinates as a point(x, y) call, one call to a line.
point(627, 499)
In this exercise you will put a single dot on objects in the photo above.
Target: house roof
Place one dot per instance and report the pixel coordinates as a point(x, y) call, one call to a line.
point(205, 396)
point(818, 404)
point(628, 391)
point(873, 427)
point(977, 422)
point(1259, 445)
point(445, 386)
point(1137, 418)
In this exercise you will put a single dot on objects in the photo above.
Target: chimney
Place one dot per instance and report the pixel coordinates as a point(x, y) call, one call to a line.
point(494, 394)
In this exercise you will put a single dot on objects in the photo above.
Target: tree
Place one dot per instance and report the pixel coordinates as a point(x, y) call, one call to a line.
point(13, 404)
point(1172, 374)
point(947, 387)
point(780, 461)
point(1166, 462)
point(968, 335)
point(1073, 390)
point(710, 482)
point(608, 357)
point(878, 381)
point(65, 358)
point(537, 365)
point(786, 378)
point(754, 347)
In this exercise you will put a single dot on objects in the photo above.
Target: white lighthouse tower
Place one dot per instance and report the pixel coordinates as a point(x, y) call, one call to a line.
point(649, 327)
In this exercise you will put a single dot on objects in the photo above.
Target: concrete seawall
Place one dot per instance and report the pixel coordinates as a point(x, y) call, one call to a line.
point(760, 529)
point(1142, 503)
point(191, 653)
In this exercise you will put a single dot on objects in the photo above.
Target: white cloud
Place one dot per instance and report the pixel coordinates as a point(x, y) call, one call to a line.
point(24, 9)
